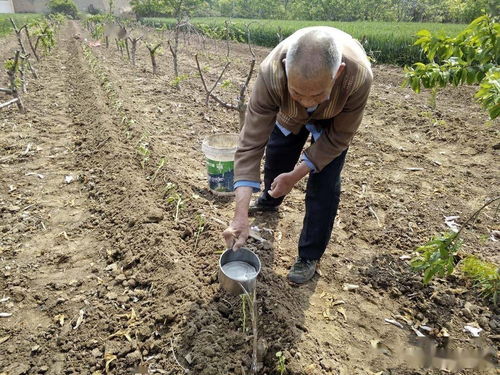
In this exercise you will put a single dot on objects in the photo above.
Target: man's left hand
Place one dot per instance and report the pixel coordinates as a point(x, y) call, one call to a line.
point(282, 185)
point(285, 182)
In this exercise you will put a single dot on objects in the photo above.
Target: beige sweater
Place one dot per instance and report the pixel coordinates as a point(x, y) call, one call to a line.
point(270, 101)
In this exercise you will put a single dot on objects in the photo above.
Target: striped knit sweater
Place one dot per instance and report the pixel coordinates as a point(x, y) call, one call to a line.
point(270, 101)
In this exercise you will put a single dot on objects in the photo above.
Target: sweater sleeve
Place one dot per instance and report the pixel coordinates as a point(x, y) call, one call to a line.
point(336, 137)
point(260, 118)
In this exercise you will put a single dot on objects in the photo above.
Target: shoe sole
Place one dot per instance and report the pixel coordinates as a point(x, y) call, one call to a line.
point(262, 209)
point(257, 210)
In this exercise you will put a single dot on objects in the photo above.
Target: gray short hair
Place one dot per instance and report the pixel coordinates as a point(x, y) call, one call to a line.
point(312, 53)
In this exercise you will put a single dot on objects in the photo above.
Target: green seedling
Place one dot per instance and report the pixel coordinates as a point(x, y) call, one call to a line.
point(118, 105)
point(144, 152)
point(437, 257)
point(200, 228)
point(250, 300)
point(280, 365)
point(169, 187)
point(176, 199)
point(178, 80)
point(161, 164)
point(226, 84)
point(486, 277)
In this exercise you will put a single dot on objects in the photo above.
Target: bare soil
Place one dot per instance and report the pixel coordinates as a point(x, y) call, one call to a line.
point(99, 278)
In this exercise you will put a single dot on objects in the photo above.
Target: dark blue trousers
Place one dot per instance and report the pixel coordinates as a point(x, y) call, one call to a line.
point(322, 194)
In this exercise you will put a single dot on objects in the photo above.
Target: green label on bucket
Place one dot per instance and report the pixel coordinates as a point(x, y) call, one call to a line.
point(220, 175)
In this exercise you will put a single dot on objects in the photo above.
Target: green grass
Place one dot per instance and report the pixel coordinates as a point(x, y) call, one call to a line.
point(385, 42)
point(485, 275)
point(19, 18)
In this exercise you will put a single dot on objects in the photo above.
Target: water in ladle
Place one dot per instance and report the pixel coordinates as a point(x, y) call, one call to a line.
point(239, 271)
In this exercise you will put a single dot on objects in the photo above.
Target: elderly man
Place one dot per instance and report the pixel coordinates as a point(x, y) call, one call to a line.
point(316, 82)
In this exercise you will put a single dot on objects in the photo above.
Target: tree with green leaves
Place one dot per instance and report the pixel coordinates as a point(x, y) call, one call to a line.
point(170, 8)
point(471, 57)
point(148, 8)
point(67, 7)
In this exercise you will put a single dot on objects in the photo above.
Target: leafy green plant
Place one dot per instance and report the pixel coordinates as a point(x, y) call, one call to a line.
point(437, 257)
point(227, 83)
point(489, 92)
point(57, 19)
point(471, 57)
point(10, 65)
point(485, 275)
point(44, 33)
point(280, 365)
point(97, 31)
point(178, 80)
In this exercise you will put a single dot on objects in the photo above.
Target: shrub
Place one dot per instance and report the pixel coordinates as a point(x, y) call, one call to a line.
point(148, 8)
point(67, 7)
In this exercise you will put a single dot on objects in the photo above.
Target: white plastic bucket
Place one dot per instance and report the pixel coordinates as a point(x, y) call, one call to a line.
point(219, 149)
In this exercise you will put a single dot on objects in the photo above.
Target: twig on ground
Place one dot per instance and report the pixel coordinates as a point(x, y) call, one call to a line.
point(175, 357)
point(374, 214)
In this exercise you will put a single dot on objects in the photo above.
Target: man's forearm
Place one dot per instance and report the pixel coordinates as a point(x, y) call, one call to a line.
point(300, 171)
point(243, 196)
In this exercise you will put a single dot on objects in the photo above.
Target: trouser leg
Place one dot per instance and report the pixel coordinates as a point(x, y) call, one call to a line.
point(322, 201)
point(282, 154)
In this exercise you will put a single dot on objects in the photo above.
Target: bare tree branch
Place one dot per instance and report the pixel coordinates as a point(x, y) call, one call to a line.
point(245, 85)
point(33, 49)
point(248, 39)
point(21, 45)
point(210, 92)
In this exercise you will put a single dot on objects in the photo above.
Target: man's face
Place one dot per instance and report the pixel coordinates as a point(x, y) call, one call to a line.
point(311, 92)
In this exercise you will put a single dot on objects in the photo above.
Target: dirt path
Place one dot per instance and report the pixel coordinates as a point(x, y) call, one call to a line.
point(96, 270)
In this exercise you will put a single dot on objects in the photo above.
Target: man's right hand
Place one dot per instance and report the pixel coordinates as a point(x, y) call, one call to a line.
point(237, 233)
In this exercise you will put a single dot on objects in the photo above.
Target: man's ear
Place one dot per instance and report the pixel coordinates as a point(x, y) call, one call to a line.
point(341, 69)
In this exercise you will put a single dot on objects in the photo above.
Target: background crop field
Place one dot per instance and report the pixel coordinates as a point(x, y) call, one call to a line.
point(385, 42)
point(20, 19)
